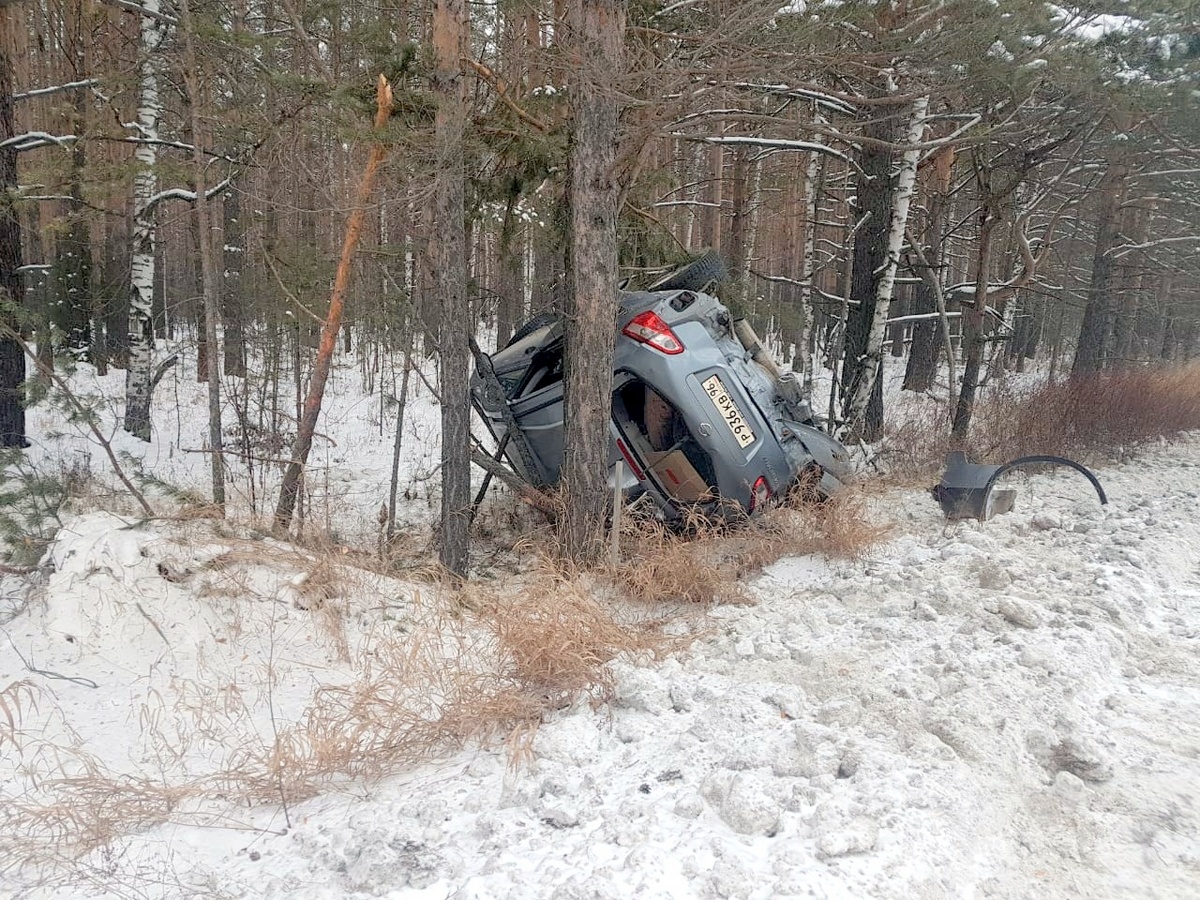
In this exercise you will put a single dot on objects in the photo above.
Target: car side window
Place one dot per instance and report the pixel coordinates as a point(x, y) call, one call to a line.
point(545, 370)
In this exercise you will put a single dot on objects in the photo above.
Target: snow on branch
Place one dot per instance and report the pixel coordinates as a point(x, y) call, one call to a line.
point(1126, 249)
point(1165, 172)
point(56, 89)
point(189, 196)
point(31, 140)
point(953, 136)
point(175, 145)
point(769, 144)
point(801, 93)
point(781, 279)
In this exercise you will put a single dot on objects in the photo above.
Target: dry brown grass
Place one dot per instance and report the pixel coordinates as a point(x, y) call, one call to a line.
point(708, 562)
point(81, 813)
point(16, 699)
point(556, 636)
point(1104, 416)
point(486, 668)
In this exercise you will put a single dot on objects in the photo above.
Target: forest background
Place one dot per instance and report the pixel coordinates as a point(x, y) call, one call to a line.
point(958, 187)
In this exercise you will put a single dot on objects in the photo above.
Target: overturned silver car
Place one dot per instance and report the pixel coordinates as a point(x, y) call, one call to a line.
point(700, 414)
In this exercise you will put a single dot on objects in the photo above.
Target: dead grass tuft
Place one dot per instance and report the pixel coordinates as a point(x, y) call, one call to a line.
point(699, 566)
point(85, 812)
point(555, 638)
point(708, 562)
point(17, 697)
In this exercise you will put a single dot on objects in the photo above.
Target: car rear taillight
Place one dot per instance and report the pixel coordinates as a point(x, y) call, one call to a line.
point(760, 496)
point(649, 328)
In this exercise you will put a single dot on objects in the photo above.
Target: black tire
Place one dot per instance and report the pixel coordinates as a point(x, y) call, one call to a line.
point(541, 320)
point(695, 276)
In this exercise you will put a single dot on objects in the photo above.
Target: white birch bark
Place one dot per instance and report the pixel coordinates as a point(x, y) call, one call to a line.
point(803, 357)
point(138, 377)
point(906, 180)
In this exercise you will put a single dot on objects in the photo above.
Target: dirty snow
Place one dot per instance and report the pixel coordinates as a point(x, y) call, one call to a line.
point(1008, 709)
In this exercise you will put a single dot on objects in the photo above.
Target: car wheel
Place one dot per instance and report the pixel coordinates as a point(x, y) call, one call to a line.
point(541, 320)
point(695, 276)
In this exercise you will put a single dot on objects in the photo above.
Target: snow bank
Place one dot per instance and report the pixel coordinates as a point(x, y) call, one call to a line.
point(1005, 710)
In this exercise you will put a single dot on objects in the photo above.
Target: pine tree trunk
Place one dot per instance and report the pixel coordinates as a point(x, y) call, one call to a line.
point(12, 357)
point(455, 327)
point(232, 299)
point(1130, 278)
point(142, 280)
point(974, 336)
point(711, 217)
point(874, 191)
point(310, 410)
point(928, 335)
point(114, 277)
point(510, 281)
point(597, 30)
point(1094, 346)
point(73, 251)
point(736, 238)
point(194, 80)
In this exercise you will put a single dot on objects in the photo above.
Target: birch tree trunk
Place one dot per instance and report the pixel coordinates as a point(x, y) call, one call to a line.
point(145, 183)
point(803, 361)
point(872, 358)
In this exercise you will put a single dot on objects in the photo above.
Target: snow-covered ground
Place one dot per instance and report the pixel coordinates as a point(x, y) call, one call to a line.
point(1008, 709)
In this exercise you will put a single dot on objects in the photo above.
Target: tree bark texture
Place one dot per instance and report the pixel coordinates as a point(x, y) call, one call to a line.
point(454, 322)
point(12, 357)
point(928, 334)
point(874, 191)
point(232, 300)
point(72, 307)
point(805, 314)
point(868, 361)
point(311, 410)
point(1094, 336)
point(194, 79)
point(597, 29)
point(974, 336)
point(142, 263)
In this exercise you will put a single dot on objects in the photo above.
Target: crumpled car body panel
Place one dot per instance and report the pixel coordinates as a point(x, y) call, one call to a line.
point(706, 426)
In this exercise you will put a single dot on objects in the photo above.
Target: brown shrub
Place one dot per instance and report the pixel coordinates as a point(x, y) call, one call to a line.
point(1103, 416)
point(707, 562)
point(556, 636)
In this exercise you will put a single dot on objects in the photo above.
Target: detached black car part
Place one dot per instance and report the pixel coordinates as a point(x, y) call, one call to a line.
point(967, 490)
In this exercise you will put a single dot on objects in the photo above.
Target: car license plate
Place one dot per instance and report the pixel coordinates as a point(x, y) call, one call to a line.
point(730, 414)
